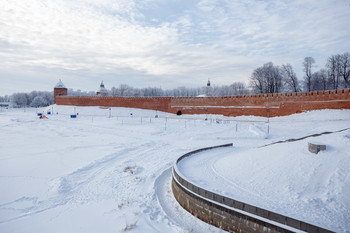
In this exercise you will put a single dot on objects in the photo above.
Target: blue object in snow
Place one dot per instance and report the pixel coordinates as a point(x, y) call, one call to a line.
point(40, 114)
point(48, 113)
point(73, 116)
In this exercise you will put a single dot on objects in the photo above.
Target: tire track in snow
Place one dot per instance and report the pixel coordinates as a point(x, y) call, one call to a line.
point(174, 214)
point(302, 138)
point(69, 188)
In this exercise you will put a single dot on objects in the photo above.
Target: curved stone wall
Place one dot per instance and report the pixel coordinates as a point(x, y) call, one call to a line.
point(229, 214)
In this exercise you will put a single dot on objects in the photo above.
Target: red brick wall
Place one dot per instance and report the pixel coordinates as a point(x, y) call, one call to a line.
point(278, 104)
point(59, 92)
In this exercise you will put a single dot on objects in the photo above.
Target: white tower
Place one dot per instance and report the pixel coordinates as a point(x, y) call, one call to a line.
point(103, 91)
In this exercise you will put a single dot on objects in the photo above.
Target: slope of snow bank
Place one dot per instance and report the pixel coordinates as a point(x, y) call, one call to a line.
point(284, 178)
point(104, 170)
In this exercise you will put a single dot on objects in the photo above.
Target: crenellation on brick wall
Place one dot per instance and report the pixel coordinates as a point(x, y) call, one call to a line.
point(279, 104)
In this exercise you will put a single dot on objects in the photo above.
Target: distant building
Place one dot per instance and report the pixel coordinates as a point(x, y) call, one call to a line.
point(59, 90)
point(103, 91)
point(206, 90)
point(6, 104)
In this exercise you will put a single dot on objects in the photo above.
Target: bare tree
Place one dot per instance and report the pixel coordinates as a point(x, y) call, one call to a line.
point(290, 78)
point(114, 91)
point(308, 64)
point(333, 64)
point(78, 92)
point(319, 81)
point(39, 101)
point(257, 80)
point(323, 77)
point(238, 88)
point(123, 89)
point(344, 69)
point(19, 99)
point(5, 98)
point(267, 79)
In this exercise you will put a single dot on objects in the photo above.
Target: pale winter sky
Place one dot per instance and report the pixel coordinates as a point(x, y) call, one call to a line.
point(161, 43)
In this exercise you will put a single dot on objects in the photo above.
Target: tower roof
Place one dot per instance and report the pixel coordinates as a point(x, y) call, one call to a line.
point(103, 91)
point(208, 83)
point(102, 87)
point(60, 84)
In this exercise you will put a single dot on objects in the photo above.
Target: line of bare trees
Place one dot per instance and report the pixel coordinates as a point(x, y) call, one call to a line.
point(276, 79)
point(268, 78)
point(236, 88)
point(32, 99)
point(45, 98)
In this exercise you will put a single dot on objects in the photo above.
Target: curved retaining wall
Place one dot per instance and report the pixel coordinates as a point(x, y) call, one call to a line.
point(229, 214)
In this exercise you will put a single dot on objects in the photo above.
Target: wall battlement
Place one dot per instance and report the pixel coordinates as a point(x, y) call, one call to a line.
point(280, 104)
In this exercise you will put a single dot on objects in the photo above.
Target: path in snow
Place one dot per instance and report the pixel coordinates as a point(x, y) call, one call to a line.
point(84, 175)
point(101, 174)
point(308, 136)
point(172, 208)
point(284, 178)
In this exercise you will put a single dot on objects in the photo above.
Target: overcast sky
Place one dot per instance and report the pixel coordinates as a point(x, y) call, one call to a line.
point(161, 43)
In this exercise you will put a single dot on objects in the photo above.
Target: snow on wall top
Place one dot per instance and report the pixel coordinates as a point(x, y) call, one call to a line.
point(103, 90)
point(60, 84)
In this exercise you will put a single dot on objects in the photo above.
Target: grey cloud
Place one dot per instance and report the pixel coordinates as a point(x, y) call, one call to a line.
point(199, 39)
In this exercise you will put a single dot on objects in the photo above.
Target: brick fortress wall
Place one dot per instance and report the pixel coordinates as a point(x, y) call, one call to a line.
point(59, 92)
point(258, 105)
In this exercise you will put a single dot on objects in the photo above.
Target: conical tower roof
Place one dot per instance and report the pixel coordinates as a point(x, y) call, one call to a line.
point(208, 83)
point(60, 84)
point(102, 88)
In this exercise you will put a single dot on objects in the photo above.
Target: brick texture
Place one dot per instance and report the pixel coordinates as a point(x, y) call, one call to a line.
point(59, 92)
point(257, 105)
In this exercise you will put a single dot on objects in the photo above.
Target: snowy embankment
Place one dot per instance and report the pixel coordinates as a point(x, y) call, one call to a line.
point(284, 178)
point(107, 170)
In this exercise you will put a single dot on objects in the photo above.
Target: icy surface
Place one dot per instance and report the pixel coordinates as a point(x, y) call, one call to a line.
point(108, 169)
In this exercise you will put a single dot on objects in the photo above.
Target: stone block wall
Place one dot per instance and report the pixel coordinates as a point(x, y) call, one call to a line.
point(258, 105)
point(221, 217)
point(229, 214)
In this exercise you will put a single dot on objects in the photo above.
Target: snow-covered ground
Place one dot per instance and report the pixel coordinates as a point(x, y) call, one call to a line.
point(109, 170)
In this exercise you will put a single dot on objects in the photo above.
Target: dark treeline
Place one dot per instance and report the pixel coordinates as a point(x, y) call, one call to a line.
point(268, 78)
point(276, 79)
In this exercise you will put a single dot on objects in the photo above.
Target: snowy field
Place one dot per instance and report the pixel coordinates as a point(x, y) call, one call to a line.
point(109, 170)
